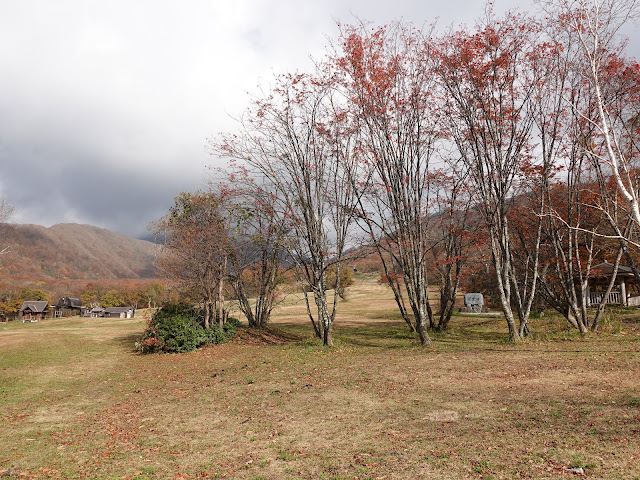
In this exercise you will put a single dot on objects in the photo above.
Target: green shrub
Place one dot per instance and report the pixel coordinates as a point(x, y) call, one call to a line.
point(179, 328)
point(181, 333)
point(230, 327)
point(170, 310)
point(215, 335)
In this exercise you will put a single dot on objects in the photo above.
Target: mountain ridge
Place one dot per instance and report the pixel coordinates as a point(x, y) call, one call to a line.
point(73, 251)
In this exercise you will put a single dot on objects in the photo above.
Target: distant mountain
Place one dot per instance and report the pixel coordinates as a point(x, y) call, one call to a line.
point(73, 251)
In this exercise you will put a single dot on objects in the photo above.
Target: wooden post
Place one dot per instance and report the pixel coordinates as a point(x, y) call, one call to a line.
point(623, 293)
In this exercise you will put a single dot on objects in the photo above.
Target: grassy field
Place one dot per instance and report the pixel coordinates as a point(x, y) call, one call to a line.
point(76, 401)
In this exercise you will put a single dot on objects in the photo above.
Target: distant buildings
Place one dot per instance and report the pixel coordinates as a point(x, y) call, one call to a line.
point(36, 310)
point(119, 312)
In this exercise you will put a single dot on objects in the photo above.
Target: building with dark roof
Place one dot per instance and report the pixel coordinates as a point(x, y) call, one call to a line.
point(625, 289)
point(68, 307)
point(33, 311)
point(119, 312)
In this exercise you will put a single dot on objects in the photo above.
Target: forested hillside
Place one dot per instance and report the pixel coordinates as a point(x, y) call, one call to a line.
point(73, 251)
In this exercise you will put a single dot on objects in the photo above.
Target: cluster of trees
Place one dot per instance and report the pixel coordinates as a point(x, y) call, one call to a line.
point(517, 135)
point(11, 299)
point(211, 240)
point(124, 294)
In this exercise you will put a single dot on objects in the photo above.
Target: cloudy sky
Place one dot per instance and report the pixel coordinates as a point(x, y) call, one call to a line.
point(105, 106)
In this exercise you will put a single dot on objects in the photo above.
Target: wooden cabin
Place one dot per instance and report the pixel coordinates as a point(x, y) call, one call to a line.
point(68, 307)
point(33, 311)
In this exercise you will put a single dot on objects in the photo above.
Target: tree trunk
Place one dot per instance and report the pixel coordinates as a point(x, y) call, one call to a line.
point(596, 321)
point(500, 254)
point(327, 339)
point(395, 288)
point(220, 312)
point(316, 326)
point(324, 319)
point(514, 333)
point(244, 304)
point(425, 340)
point(207, 315)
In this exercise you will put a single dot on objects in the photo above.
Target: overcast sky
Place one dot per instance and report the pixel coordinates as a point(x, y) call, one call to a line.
point(105, 106)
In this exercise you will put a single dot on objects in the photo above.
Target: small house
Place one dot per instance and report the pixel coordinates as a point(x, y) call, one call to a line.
point(624, 291)
point(119, 312)
point(68, 307)
point(33, 311)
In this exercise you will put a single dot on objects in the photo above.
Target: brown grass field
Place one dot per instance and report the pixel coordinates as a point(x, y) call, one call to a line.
point(77, 401)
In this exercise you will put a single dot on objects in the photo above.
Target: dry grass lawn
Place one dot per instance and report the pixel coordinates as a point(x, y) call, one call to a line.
point(76, 401)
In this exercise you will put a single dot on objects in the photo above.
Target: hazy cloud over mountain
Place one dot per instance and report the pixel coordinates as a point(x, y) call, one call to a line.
point(105, 106)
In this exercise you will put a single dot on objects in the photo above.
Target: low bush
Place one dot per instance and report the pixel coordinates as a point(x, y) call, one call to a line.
point(384, 279)
point(346, 279)
point(230, 327)
point(179, 328)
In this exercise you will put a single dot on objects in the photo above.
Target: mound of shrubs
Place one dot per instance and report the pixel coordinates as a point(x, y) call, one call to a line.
point(180, 328)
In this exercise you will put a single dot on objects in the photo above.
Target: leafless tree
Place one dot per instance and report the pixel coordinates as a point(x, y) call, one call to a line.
point(489, 80)
point(387, 74)
point(258, 237)
point(294, 141)
point(595, 25)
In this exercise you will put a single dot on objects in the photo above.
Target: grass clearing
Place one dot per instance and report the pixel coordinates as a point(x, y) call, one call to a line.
point(76, 401)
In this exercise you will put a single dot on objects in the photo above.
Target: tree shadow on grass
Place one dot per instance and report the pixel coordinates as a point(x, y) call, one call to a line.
point(465, 331)
point(390, 333)
point(461, 340)
point(268, 335)
point(635, 320)
point(127, 342)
